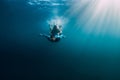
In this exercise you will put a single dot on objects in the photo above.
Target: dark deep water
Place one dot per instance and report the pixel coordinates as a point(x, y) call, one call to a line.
point(26, 56)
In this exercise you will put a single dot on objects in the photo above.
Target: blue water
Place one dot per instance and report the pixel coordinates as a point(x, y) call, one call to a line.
point(27, 56)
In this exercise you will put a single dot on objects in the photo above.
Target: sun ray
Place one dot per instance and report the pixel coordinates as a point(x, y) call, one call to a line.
point(98, 16)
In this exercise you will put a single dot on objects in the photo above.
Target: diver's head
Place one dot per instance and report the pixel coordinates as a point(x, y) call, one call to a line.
point(52, 38)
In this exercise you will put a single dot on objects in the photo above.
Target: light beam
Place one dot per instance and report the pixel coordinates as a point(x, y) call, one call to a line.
point(99, 17)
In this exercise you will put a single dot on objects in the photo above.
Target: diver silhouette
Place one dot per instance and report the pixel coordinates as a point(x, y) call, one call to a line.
point(55, 33)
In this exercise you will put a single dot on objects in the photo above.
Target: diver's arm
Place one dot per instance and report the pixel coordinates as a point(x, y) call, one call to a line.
point(60, 31)
point(50, 27)
point(60, 28)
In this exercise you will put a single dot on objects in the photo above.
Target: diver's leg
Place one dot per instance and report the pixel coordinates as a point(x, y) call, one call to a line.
point(44, 35)
point(61, 36)
point(41, 34)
